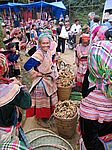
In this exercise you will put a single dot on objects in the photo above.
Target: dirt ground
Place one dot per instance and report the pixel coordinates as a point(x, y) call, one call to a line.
point(31, 122)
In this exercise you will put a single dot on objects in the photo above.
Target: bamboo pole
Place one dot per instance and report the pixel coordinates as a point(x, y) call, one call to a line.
point(10, 15)
point(69, 9)
point(41, 11)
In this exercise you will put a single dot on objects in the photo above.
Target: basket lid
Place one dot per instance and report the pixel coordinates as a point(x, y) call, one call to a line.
point(50, 139)
point(36, 132)
point(50, 147)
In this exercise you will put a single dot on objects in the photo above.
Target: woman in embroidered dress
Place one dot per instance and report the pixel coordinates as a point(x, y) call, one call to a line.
point(81, 60)
point(96, 108)
point(12, 95)
point(44, 88)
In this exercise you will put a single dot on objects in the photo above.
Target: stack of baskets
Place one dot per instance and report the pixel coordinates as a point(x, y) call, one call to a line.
point(65, 82)
point(44, 139)
point(65, 115)
point(64, 92)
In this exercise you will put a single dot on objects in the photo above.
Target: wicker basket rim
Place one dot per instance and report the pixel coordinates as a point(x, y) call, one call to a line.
point(51, 145)
point(43, 129)
point(64, 86)
point(66, 118)
point(47, 135)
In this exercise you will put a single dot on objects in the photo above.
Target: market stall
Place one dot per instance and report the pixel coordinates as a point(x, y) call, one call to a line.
point(57, 8)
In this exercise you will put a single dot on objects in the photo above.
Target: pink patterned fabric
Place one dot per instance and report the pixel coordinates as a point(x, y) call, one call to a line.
point(82, 51)
point(44, 88)
point(46, 69)
point(96, 107)
point(99, 33)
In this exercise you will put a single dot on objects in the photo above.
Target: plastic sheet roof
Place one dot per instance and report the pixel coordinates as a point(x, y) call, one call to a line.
point(108, 5)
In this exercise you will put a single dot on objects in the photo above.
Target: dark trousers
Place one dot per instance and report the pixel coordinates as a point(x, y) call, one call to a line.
point(85, 85)
point(61, 42)
point(91, 131)
point(11, 71)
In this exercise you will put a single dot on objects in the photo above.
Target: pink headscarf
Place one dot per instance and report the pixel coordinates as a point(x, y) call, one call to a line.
point(99, 32)
point(94, 32)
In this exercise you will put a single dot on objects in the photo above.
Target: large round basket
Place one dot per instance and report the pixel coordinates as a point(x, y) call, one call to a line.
point(36, 132)
point(50, 139)
point(66, 127)
point(50, 147)
point(64, 93)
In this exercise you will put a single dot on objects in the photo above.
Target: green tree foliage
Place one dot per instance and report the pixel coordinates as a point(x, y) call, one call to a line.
point(1, 37)
point(23, 1)
point(80, 8)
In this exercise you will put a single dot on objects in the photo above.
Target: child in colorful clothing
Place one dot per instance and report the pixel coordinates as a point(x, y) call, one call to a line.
point(81, 61)
point(33, 34)
point(14, 69)
point(44, 88)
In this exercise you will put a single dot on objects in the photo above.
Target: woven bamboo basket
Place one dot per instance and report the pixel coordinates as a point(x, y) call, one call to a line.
point(64, 93)
point(50, 147)
point(36, 132)
point(50, 139)
point(66, 127)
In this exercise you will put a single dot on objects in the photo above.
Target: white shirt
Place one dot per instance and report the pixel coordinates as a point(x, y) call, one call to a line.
point(76, 28)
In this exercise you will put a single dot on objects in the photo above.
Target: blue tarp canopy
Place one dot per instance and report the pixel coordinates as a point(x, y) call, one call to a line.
point(3, 6)
point(11, 5)
point(57, 7)
point(108, 5)
point(35, 4)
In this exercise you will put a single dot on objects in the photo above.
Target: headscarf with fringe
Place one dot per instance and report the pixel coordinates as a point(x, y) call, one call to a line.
point(100, 66)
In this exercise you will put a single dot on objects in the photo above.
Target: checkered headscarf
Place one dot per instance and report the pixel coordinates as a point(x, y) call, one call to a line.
point(100, 66)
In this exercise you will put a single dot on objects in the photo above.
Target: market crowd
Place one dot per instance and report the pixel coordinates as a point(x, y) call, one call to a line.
point(43, 42)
